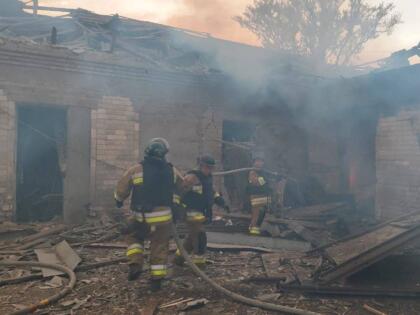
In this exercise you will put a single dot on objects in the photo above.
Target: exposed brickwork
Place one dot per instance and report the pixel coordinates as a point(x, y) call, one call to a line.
point(114, 146)
point(7, 149)
point(398, 165)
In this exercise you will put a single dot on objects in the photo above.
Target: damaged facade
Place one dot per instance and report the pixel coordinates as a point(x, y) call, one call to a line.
point(109, 84)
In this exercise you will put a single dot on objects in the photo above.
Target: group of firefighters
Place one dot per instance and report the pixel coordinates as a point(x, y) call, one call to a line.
point(160, 194)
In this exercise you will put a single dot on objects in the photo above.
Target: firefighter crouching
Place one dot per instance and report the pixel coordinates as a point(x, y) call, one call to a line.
point(151, 184)
point(258, 192)
point(198, 198)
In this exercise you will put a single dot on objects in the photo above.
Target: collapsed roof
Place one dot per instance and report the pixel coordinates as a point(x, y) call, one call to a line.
point(149, 43)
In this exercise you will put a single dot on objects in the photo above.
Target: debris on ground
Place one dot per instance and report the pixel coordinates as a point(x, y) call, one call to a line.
point(291, 277)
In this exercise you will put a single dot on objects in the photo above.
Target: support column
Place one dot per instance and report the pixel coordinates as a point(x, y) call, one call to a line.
point(7, 157)
point(115, 147)
point(76, 181)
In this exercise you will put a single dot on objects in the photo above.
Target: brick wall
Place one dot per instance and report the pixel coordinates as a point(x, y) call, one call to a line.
point(398, 165)
point(191, 130)
point(7, 149)
point(115, 146)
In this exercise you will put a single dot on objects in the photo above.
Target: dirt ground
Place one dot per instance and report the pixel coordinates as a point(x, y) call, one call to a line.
point(106, 290)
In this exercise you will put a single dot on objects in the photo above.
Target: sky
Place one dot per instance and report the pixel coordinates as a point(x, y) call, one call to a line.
point(215, 17)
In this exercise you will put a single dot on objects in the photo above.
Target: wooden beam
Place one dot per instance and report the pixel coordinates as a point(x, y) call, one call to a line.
point(36, 5)
point(257, 241)
point(43, 8)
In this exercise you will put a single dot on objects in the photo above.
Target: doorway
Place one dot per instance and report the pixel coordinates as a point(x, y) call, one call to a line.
point(237, 137)
point(41, 162)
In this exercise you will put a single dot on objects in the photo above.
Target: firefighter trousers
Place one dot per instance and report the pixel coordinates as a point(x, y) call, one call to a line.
point(156, 227)
point(196, 240)
point(259, 206)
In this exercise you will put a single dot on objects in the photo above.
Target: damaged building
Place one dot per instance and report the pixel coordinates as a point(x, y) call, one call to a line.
point(82, 94)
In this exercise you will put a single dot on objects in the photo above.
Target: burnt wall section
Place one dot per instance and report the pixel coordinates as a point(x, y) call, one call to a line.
point(324, 161)
point(7, 156)
point(114, 146)
point(76, 181)
point(398, 165)
point(191, 130)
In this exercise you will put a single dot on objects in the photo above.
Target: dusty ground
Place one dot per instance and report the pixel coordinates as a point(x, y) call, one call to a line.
point(106, 290)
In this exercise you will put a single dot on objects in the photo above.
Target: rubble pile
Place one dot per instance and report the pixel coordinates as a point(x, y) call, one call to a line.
point(297, 276)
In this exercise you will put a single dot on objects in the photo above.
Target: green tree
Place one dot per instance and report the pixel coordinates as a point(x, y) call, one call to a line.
point(330, 31)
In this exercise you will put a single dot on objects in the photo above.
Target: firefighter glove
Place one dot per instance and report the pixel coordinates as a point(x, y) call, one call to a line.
point(219, 201)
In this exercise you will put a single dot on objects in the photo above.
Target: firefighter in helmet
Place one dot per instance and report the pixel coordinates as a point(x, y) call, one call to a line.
point(198, 198)
point(151, 184)
point(258, 194)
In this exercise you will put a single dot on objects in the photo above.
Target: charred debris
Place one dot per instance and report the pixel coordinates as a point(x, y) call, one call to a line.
point(341, 237)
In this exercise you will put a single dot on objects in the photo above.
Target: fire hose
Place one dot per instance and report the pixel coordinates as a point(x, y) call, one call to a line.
point(247, 169)
point(234, 296)
point(51, 299)
point(239, 170)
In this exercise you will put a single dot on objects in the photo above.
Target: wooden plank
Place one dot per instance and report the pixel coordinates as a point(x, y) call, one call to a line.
point(345, 251)
point(370, 255)
point(273, 220)
point(313, 211)
point(315, 239)
point(44, 233)
point(53, 9)
point(216, 246)
point(257, 241)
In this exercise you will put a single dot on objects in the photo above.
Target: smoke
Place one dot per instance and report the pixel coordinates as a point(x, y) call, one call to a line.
point(215, 17)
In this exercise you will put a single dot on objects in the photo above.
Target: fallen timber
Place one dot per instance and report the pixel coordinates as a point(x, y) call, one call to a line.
point(348, 291)
point(256, 241)
point(354, 254)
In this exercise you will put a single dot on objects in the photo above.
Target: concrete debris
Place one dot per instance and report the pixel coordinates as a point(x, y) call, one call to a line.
point(48, 255)
point(67, 255)
point(61, 254)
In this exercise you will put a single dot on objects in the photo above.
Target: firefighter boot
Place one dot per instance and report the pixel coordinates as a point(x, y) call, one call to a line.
point(179, 260)
point(155, 284)
point(134, 271)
